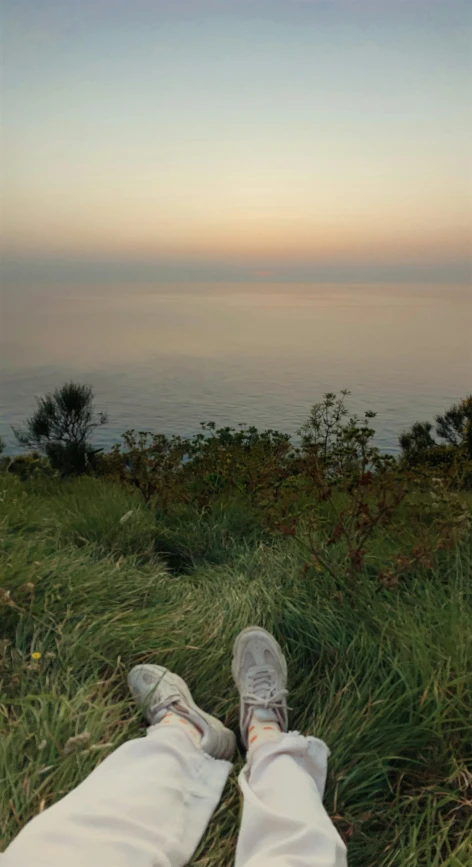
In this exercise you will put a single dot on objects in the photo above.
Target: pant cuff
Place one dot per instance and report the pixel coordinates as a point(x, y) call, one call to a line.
point(312, 753)
point(178, 733)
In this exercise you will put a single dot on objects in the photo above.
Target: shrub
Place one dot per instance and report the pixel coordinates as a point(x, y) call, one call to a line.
point(337, 494)
point(171, 471)
point(454, 428)
point(61, 427)
point(30, 466)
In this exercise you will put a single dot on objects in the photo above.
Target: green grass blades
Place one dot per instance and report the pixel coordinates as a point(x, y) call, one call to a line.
point(94, 581)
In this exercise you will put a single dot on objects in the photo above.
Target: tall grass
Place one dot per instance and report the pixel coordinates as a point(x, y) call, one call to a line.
point(384, 677)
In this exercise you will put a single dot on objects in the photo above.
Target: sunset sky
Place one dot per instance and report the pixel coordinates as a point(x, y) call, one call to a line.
point(237, 139)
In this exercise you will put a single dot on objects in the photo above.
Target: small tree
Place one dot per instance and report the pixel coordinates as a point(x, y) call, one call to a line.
point(325, 423)
point(417, 441)
point(454, 428)
point(327, 430)
point(61, 427)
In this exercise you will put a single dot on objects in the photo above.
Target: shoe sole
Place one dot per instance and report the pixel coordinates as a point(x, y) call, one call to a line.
point(181, 687)
point(237, 650)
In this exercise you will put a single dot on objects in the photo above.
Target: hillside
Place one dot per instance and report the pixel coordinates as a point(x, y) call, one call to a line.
point(96, 581)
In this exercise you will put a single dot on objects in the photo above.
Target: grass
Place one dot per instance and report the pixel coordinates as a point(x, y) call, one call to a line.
point(384, 677)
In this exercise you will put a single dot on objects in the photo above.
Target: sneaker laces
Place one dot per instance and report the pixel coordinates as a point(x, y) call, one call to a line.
point(155, 708)
point(262, 692)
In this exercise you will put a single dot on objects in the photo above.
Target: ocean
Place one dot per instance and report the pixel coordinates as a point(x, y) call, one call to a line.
point(167, 357)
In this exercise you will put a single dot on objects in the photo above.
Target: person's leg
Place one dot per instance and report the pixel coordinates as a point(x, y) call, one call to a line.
point(284, 823)
point(146, 805)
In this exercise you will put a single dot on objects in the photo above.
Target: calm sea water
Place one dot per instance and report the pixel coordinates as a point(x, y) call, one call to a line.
point(166, 358)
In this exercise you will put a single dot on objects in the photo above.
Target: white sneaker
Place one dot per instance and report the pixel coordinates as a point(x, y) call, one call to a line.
point(159, 691)
point(260, 673)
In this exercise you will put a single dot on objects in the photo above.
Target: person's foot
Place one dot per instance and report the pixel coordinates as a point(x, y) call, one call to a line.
point(260, 673)
point(160, 692)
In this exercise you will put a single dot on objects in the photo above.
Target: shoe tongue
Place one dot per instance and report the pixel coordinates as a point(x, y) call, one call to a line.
point(264, 714)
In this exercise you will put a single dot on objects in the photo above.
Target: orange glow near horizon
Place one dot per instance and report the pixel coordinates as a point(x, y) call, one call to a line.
point(284, 216)
point(284, 240)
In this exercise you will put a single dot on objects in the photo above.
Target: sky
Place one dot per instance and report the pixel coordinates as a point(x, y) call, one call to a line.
point(237, 140)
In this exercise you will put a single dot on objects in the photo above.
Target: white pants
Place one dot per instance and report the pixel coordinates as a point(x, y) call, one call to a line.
point(149, 803)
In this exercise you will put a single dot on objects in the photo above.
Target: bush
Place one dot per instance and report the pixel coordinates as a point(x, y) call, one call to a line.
point(61, 426)
point(336, 493)
point(454, 428)
point(29, 466)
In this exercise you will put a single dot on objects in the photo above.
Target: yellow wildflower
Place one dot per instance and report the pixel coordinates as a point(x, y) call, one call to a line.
point(36, 655)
